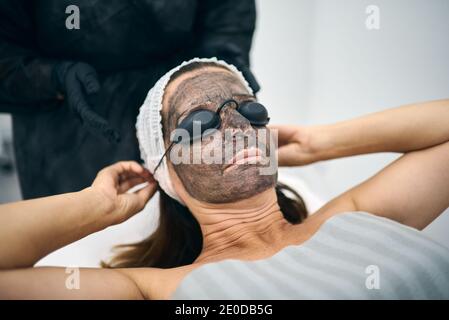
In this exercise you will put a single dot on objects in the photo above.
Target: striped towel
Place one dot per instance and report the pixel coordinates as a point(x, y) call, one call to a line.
point(354, 255)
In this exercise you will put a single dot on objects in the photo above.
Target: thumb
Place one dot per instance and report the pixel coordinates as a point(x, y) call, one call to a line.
point(133, 203)
point(145, 194)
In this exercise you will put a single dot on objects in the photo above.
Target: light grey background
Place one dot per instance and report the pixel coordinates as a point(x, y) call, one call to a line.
point(318, 63)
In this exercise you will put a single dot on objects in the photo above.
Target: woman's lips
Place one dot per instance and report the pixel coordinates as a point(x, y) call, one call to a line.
point(252, 156)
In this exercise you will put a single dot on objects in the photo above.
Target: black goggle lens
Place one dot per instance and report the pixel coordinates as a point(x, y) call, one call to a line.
point(205, 118)
point(255, 112)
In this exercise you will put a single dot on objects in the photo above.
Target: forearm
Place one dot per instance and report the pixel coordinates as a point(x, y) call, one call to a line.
point(67, 283)
point(29, 230)
point(403, 129)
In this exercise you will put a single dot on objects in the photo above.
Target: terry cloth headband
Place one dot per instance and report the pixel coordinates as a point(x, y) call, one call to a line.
point(149, 125)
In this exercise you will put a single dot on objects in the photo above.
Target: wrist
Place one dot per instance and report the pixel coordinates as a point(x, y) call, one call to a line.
point(338, 140)
point(101, 207)
point(320, 143)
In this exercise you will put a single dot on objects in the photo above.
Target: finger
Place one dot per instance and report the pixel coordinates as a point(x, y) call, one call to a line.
point(129, 183)
point(126, 167)
point(88, 77)
point(285, 133)
point(128, 175)
point(77, 102)
point(125, 170)
point(292, 155)
point(75, 96)
point(118, 170)
point(91, 84)
point(95, 121)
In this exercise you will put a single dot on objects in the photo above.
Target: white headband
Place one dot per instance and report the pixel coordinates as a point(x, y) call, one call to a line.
point(149, 125)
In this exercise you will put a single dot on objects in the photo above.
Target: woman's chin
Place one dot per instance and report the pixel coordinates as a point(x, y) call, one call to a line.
point(246, 183)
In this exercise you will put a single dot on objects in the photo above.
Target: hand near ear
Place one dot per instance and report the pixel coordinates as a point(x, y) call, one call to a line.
point(114, 182)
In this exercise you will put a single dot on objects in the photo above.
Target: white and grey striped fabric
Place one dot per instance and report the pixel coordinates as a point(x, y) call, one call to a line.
point(353, 255)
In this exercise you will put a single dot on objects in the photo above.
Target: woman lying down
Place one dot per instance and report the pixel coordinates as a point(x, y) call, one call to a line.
point(228, 230)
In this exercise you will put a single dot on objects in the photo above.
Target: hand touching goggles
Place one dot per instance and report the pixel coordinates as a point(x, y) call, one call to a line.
point(207, 119)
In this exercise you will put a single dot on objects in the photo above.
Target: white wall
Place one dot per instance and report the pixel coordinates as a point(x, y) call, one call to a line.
point(318, 63)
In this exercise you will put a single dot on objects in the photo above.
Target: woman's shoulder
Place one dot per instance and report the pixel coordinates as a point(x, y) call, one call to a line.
point(375, 231)
point(157, 283)
point(326, 220)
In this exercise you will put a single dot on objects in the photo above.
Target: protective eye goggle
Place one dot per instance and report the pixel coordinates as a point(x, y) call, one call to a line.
point(207, 119)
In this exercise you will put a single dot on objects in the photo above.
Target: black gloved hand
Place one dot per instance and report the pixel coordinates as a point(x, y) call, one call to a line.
point(77, 80)
point(232, 54)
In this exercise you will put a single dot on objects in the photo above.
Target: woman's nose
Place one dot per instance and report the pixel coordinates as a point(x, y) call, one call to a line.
point(231, 118)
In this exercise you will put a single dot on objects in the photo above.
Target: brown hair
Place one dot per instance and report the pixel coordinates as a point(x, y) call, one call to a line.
point(178, 240)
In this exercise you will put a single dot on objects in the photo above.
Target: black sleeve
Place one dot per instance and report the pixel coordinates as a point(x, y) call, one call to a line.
point(25, 77)
point(225, 28)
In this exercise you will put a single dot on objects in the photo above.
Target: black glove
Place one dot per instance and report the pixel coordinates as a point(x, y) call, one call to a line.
point(232, 54)
point(77, 80)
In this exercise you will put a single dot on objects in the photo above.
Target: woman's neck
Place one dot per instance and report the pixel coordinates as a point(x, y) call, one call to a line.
point(249, 227)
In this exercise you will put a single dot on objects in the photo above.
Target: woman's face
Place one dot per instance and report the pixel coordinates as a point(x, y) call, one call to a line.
point(216, 182)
